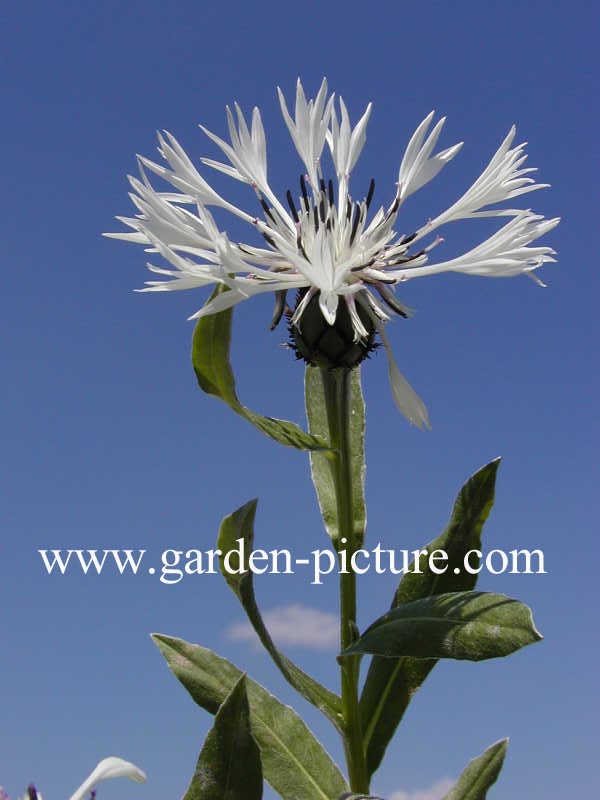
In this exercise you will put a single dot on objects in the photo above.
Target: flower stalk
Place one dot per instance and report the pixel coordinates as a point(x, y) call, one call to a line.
point(337, 392)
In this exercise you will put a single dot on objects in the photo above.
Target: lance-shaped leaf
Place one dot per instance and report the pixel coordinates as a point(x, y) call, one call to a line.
point(293, 761)
point(229, 765)
point(210, 358)
point(320, 463)
point(463, 625)
point(391, 683)
point(480, 774)
point(236, 543)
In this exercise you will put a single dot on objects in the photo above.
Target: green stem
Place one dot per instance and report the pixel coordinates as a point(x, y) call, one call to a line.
point(337, 391)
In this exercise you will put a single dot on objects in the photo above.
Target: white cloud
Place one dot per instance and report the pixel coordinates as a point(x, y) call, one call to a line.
point(295, 626)
point(435, 792)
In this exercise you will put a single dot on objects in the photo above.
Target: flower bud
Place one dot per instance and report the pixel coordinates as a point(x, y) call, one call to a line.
point(330, 346)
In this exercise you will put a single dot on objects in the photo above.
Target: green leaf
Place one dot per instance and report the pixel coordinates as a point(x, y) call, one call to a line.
point(464, 625)
point(229, 765)
point(240, 525)
point(294, 762)
point(480, 774)
point(391, 683)
point(210, 358)
point(399, 678)
point(316, 412)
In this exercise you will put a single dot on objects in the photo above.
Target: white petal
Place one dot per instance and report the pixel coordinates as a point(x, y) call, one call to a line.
point(414, 144)
point(295, 320)
point(309, 128)
point(328, 303)
point(358, 139)
point(346, 144)
point(432, 167)
point(221, 302)
point(360, 332)
point(501, 180)
point(225, 168)
point(242, 290)
point(417, 167)
point(111, 767)
point(502, 255)
point(258, 137)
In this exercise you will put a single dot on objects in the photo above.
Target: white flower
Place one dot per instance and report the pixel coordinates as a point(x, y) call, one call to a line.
point(111, 767)
point(323, 242)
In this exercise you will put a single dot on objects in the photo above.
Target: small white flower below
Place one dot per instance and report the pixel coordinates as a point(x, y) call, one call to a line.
point(111, 767)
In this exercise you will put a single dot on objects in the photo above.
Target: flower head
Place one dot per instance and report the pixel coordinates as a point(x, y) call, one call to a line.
point(344, 258)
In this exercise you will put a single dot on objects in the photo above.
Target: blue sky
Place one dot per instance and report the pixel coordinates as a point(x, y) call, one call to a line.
point(107, 442)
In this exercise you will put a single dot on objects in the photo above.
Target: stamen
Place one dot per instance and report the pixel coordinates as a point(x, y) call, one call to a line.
point(348, 209)
point(399, 260)
point(380, 279)
point(300, 247)
point(414, 255)
point(292, 206)
point(304, 192)
point(407, 239)
point(322, 207)
point(370, 193)
point(392, 301)
point(267, 210)
point(391, 211)
point(280, 297)
point(331, 194)
point(357, 216)
point(364, 266)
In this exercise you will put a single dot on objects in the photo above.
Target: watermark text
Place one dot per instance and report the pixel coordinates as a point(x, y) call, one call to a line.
point(175, 565)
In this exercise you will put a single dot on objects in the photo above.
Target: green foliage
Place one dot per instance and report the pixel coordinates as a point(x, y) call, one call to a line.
point(480, 774)
point(432, 615)
point(353, 796)
point(210, 358)
point(229, 765)
point(322, 475)
point(391, 683)
point(463, 625)
point(293, 761)
point(240, 525)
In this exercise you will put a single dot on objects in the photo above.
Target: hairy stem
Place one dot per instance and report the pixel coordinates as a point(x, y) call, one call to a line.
point(337, 390)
